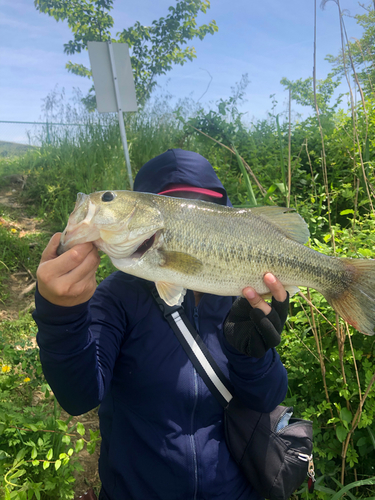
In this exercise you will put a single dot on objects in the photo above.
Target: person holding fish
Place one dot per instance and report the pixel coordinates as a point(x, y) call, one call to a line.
point(162, 429)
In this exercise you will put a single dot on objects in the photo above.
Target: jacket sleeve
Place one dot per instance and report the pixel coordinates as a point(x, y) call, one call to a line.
point(261, 383)
point(79, 346)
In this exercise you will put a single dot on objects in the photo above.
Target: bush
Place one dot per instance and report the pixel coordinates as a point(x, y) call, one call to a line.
point(38, 448)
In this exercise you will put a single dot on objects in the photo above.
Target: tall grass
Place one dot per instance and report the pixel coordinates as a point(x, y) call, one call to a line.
point(90, 157)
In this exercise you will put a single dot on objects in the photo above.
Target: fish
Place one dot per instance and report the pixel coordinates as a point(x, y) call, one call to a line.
point(185, 244)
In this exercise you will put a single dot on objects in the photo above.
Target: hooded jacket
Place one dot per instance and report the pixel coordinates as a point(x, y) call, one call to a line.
point(162, 430)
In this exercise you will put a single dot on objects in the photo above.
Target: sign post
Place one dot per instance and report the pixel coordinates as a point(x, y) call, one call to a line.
point(114, 85)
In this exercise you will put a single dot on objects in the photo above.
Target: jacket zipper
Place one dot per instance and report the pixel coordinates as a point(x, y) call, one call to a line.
point(192, 439)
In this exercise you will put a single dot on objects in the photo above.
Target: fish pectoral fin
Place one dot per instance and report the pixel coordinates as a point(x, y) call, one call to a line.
point(287, 220)
point(292, 290)
point(171, 294)
point(180, 262)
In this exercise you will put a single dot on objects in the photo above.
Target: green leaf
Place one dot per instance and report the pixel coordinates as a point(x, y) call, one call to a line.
point(91, 446)
point(362, 441)
point(50, 454)
point(62, 425)
point(341, 433)
point(281, 187)
point(4, 455)
point(57, 464)
point(34, 453)
point(347, 211)
point(45, 465)
point(372, 437)
point(365, 252)
point(346, 415)
point(20, 455)
point(66, 439)
point(19, 473)
point(81, 429)
point(79, 445)
point(345, 489)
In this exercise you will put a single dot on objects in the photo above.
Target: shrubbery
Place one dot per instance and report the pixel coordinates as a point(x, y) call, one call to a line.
point(331, 367)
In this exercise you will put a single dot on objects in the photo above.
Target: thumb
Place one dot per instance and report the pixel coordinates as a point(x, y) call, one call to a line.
point(50, 250)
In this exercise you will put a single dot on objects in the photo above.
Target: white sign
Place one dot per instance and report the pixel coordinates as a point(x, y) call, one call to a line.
point(104, 81)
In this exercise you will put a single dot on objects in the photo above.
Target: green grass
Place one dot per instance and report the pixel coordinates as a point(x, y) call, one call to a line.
point(13, 149)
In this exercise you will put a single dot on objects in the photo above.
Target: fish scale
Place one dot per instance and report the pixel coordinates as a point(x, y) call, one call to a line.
point(189, 244)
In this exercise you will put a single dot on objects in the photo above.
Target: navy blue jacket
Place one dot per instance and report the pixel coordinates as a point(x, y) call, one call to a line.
point(162, 430)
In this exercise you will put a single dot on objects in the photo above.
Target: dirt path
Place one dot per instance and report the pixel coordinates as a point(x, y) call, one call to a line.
point(21, 284)
point(20, 287)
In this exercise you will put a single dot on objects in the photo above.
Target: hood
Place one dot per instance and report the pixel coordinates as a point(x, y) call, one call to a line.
point(177, 166)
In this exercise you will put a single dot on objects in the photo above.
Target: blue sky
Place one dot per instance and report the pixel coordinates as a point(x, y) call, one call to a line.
point(267, 39)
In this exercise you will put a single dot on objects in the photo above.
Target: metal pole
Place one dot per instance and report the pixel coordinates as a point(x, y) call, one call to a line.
point(120, 113)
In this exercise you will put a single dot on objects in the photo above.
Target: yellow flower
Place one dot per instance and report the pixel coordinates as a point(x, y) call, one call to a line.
point(27, 379)
point(5, 368)
point(13, 230)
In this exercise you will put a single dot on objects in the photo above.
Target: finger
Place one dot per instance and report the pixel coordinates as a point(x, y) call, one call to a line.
point(275, 286)
point(74, 257)
point(255, 300)
point(50, 250)
point(85, 268)
point(84, 288)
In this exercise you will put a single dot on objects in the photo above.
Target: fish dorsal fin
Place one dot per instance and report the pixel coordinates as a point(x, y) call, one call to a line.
point(287, 220)
point(173, 295)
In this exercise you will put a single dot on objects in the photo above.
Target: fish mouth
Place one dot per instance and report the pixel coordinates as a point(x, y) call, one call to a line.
point(80, 227)
point(144, 247)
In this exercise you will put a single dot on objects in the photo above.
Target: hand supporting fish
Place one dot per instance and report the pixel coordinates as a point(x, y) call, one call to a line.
point(188, 244)
point(69, 279)
point(253, 326)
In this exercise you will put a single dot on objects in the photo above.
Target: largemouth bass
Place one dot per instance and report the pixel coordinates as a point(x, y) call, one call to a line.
point(188, 244)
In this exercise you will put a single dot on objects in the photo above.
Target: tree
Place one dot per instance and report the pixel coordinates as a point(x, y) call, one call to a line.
point(359, 52)
point(302, 92)
point(154, 49)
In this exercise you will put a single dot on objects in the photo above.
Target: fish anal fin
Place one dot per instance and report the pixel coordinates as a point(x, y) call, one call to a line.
point(287, 220)
point(171, 294)
point(180, 262)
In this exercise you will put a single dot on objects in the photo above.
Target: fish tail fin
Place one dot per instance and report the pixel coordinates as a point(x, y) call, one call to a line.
point(357, 303)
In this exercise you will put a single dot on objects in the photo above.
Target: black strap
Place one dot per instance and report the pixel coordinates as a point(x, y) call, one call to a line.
point(194, 347)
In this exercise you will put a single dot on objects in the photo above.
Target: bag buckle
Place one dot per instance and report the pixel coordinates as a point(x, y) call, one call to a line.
point(310, 470)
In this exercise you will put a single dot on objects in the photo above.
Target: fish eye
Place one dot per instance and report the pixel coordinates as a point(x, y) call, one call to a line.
point(108, 196)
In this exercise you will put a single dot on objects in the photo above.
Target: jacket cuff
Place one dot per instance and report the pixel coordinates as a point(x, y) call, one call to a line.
point(260, 383)
point(61, 329)
point(249, 366)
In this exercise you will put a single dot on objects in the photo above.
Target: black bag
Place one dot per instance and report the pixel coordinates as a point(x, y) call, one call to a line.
point(275, 463)
point(275, 460)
